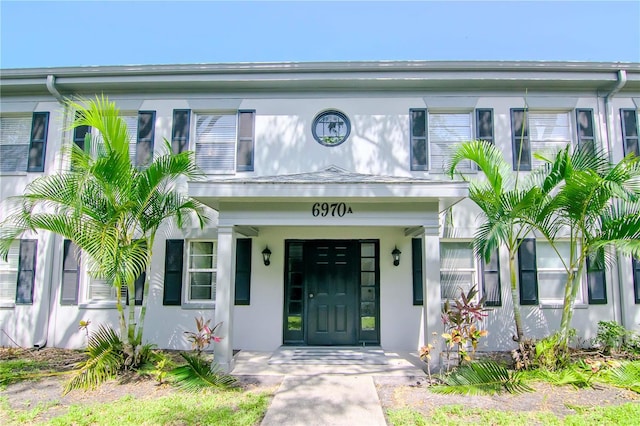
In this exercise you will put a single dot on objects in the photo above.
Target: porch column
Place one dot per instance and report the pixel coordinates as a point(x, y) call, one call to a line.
point(431, 293)
point(225, 296)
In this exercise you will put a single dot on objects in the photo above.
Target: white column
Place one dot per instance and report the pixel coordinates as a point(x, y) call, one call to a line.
point(431, 293)
point(225, 296)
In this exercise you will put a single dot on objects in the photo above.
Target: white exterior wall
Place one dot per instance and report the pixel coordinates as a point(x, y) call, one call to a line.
point(378, 145)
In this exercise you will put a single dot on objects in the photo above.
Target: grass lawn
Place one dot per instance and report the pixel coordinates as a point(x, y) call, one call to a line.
point(208, 407)
point(453, 415)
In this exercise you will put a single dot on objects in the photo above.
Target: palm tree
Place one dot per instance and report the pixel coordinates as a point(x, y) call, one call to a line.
point(596, 204)
point(109, 208)
point(503, 205)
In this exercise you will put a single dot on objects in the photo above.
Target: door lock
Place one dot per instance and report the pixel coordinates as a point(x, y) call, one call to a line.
point(310, 295)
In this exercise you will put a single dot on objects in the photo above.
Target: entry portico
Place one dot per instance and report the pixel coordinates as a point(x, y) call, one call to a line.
point(331, 280)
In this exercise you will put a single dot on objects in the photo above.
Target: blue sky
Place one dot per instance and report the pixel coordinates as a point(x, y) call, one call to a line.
point(55, 33)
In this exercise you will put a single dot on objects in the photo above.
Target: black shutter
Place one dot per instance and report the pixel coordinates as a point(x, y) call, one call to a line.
point(484, 125)
point(528, 272)
point(26, 271)
point(491, 289)
point(629, 119)
point(173, 260)
point(636, 279)
point(70, 274)
point(520, 140)
point(243, 271)
point(146, 132)
point(586, 133)
point(416, 266)
point(596, 283)
point(38, 145)
point(246, 141)
point(180, 131)
point(418, 140)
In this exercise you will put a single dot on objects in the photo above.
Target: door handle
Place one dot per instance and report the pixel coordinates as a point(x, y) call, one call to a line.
point(310, 295)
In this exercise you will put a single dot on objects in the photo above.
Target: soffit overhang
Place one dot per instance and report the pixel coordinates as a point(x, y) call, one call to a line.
point(330, 184)
point(324, 76)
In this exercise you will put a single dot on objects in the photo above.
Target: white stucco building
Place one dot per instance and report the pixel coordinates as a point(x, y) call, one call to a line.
point(331, 166)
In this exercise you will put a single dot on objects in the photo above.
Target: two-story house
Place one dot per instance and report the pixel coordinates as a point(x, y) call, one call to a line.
point(331, 212)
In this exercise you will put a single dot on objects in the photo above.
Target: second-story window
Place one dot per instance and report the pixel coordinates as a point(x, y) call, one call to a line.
point(542, 132)
point(23, 142)
point(630, 140)
point(224, 142)
point(434, 136)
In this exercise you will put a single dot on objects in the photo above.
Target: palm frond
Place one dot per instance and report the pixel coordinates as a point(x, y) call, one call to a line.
point(484, 377)
point(104, 362)
point(626, 376)
point(199, 374)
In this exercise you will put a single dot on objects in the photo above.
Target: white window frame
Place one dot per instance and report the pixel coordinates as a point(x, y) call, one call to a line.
point(474, 271)
point(188, 270)
point(22, 138)
point(549, 143)
point(10, 269)
point(464, 166)
point(86, 284)
point(547, 302)
point(194, 142)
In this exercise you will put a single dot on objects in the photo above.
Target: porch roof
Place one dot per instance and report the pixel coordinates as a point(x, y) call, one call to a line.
point(330, 183)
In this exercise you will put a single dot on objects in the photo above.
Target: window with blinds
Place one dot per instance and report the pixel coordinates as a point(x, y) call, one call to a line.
point(446, 130)
point(9, 274)
point(457, 269)
point(548, 134)
point(15, 133)
point(215, 142)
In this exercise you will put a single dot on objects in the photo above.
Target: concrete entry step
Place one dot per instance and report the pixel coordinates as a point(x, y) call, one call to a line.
point(394, 363)
point(328, 356)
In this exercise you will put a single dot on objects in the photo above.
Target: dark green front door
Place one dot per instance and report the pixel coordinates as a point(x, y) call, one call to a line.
point(331, 276)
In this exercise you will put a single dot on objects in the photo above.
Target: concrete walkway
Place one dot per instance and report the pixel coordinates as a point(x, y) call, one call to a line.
point(327, 395)
point(325, 400)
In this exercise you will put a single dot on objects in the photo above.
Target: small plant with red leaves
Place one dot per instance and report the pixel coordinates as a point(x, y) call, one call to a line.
point(202, 338)
point(460, 320)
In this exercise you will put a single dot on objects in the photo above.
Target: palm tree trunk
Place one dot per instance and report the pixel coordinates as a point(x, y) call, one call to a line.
point(145, 291)
point(570, 292)
point(514, 297)
point(120, 308)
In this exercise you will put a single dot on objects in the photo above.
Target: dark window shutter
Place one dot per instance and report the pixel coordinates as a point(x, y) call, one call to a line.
point(38, 145)
point(520, 140)
point(636, 279)
point(596, 282)
point(629, 119)
point(243, 271)
point(146, 132)
point(70, 274)
point(528, 272)
point(491, 289)
point(416, 265)
point(173, 260)
point(418, 140)
point(484, 125)
point(26, 271)
point(180, 131)
point(586, 133)
point(246, 141)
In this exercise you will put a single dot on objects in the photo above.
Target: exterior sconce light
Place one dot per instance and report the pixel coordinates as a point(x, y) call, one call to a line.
point(396, 256)
point(266, 256)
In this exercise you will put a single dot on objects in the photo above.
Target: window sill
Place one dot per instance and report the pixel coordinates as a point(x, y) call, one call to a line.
point(97, 305)
point(7, 305)
point(13, 173)
point(199, 305)
point(559, 305)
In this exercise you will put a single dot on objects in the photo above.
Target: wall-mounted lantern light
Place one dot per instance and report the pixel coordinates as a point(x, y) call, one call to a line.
point(396, 256)
point(266, 256)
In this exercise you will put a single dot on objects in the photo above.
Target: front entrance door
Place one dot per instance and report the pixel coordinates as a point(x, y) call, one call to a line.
point(331, 289)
